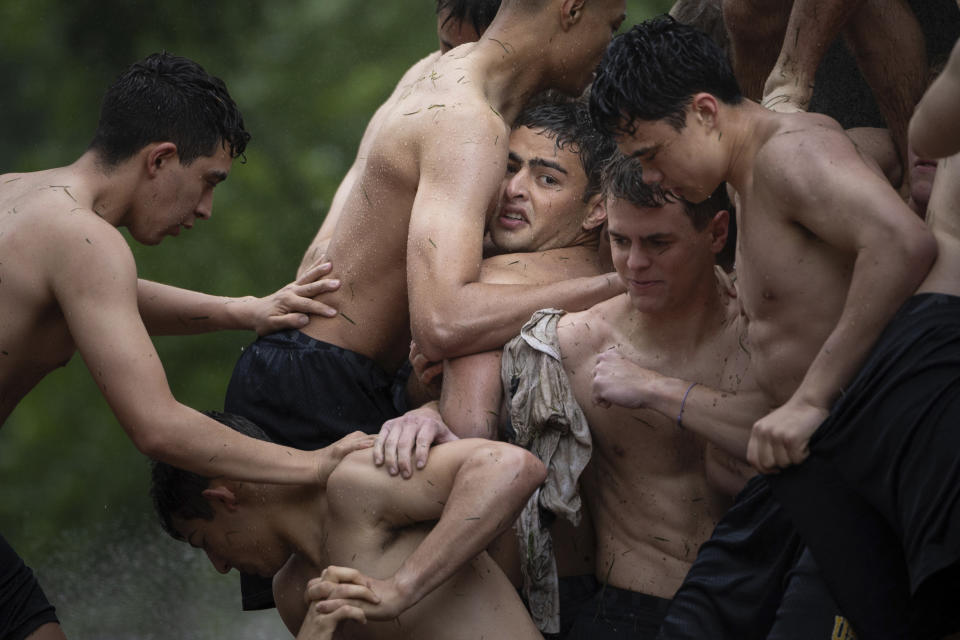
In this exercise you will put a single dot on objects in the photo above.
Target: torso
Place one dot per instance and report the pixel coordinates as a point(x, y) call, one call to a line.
point(646, 484)
point(369, 245)
point(792, 286)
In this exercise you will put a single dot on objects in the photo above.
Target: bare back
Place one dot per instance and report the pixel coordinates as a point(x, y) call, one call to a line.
point(40, 219)
point(440, 106)
point(646, 485)
point(476, 601)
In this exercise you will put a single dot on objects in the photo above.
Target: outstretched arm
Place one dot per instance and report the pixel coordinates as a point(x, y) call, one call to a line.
point(170, 310)
point(475, 487)
point(93, 278)
point(451, 312)
point(935, 128)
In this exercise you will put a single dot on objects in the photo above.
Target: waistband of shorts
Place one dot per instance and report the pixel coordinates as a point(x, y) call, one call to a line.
point(633, 599)
point(298, 337)
point(923, 301)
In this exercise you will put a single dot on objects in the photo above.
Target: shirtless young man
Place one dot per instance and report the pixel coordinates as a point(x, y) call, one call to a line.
point(414, 547)
point(646, 486)
point(546, 229)
point(549, 224)
point(428, 180)
point(827, 250)
point(458, 22)
point(69, 283)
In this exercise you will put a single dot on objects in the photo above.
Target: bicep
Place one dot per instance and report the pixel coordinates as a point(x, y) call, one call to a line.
point(934, 127)
point(460, 178)
point(97, 291)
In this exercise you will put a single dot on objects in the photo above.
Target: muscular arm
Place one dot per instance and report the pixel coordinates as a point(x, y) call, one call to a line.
point(451, 312)
point(475, 487)
point(934, 128)
point(723, 418)
point(471, 395)
point(813, 25)
point(94, 280)
point(846, 205)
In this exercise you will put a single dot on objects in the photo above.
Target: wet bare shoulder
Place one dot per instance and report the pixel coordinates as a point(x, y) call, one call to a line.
point(542, 267)
point(801, 162)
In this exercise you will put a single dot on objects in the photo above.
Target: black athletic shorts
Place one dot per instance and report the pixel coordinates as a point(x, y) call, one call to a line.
point(23, 606)
point(307, 394)
point(751, 579)
point(885, 469)
point(576, 592)
point(619, 613)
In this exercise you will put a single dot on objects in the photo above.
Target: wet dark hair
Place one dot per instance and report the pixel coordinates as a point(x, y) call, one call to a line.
point(177, 493)
point(623, 180)
point(168, 98)
point(478, 13)
point(567, 121)
point(651, 73)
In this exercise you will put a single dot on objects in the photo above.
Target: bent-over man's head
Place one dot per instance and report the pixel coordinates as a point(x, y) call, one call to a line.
point(229, 520)
point(658, 91)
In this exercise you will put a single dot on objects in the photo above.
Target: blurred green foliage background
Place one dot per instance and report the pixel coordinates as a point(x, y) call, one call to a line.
point(307, 75)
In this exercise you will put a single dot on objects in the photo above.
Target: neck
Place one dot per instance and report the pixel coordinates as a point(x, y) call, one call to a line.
point(744, 129)
point(513, 64)
point(108, 194)
point(301, 514)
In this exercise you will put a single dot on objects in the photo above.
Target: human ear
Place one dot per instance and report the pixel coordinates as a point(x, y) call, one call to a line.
point(704, 107)
point(222, 495)
point(719, 227)
point(570, 13)
point(158, 154)
point(598, 212)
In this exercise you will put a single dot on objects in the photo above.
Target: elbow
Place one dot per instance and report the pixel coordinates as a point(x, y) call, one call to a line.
point(439, 337)
point(151, 443)
point(529, 469)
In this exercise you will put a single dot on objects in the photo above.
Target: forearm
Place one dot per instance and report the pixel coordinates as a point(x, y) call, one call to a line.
point(471, 395)
point(811, 29)
point(490, 488)
point(723, 418)
point(450, 321)
point(168, 310)
point(184, 438)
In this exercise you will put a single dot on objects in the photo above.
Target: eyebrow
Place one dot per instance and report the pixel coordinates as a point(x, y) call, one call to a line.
point(537, 162)
point(643, 151)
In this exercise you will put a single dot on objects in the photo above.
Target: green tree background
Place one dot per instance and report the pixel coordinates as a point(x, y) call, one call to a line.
point(307, 74)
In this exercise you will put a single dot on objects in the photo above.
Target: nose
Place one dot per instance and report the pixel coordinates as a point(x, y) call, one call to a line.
point(220, 564)
point(638, 259)
point(516, 186)
point(205, 206)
